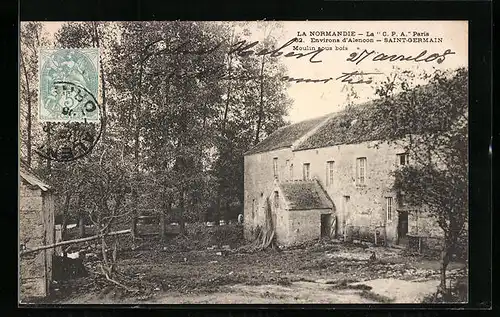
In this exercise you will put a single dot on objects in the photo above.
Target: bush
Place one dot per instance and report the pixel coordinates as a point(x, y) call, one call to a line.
point(457, 294)
point(229, 234)
point(199, 236)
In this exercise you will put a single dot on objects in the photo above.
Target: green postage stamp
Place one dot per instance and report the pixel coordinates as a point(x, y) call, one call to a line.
point(68, 85)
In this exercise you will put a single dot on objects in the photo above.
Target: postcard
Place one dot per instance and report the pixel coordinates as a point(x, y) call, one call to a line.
point(243, 162)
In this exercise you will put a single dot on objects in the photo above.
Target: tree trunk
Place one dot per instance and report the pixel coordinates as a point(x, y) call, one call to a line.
point(163, 221)
point(49, 141)
point(163, 226)
point(182, 224)
point(81, 219)
point(81, 225)
point(217, 210)
point(445, 260)
point(103, 83)
point(226, 108)
point(28, 92)
point(67, 201)
point(261, 106)
point(227, 212)
point(105, 262)
point(135, 196)
point(133, 222)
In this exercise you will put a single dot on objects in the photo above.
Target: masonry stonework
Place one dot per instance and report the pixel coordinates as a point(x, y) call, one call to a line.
point(365, 207)
point(305, 225)
point(367, 210)
point(36, 228)
point(258, 184)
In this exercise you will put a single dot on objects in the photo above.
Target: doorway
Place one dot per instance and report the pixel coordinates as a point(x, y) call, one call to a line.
point(402, 227)
point(326, 225)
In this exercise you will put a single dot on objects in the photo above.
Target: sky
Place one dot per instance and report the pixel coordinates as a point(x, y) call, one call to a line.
point(316, 99)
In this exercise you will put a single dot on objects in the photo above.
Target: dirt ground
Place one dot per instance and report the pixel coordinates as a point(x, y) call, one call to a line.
point(319, 272)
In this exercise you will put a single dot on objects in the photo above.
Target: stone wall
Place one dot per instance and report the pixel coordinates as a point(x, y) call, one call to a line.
point(36, 221)
point(259, 183)
point(423, 226)
point(366, 209)
point(305, 225)
point(365, 213)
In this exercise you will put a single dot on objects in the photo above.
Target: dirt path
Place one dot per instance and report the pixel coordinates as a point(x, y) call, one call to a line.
point(383, 291)
point(323, 273)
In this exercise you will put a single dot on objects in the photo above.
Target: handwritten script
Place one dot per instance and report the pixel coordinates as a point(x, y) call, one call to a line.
point(424, 56)
point(357, 77)
point(245, 49)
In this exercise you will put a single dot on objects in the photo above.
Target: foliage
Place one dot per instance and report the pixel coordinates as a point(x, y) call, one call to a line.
point(31, 38)
point(433, 122)
point(458, 293)
point(178, 113)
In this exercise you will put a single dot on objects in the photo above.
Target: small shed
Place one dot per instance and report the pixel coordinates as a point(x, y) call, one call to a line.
point(36, 228)
point(302, 211)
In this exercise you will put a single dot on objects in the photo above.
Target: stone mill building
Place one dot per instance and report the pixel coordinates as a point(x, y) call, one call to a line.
point(330, 177)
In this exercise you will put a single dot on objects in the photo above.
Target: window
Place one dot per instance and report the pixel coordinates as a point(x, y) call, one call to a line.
point(275, 167)
point(276, 199)
point(360, 170)
point(388, 207)
point(345, 214)
point(402, 159)
point(347, 199)
point(287, 163)
point(305, 171)
point(291, 171)
point(329, 173)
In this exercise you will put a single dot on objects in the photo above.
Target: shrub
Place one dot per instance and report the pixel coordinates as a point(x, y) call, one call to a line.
point(229, 234)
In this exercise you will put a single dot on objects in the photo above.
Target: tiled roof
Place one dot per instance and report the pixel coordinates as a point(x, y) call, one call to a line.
point(286, 136)
point(369, 121)
point(360, 123)
point(304, 195)
point(377, 120)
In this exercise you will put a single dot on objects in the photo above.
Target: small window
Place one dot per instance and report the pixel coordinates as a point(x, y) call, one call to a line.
point(306, 171)
point(329, 173)
point(388, 208)
point(287, 165)
point(347, 199)
point(291, 171)
point(361, 170)
point(275, 167)
point(402, 159)
point(276, 199)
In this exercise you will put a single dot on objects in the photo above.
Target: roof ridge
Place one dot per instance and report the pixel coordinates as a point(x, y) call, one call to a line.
point(288, 134)
point(313, 130)
point(325, 192)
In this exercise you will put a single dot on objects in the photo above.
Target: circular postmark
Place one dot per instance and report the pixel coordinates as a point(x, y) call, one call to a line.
point(76, 136)
point(76, 66)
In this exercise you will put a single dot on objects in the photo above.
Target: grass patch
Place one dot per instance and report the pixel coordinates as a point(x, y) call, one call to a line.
point(343, 282)
point(375, 297)
point(316, 265)
point(303, 279)
point(363, 287)
point(284, 282)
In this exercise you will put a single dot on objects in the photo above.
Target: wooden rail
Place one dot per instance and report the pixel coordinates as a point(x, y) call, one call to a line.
point(54, 245)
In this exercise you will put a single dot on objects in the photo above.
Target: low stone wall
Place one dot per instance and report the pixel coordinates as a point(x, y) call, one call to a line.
point(375, 235)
